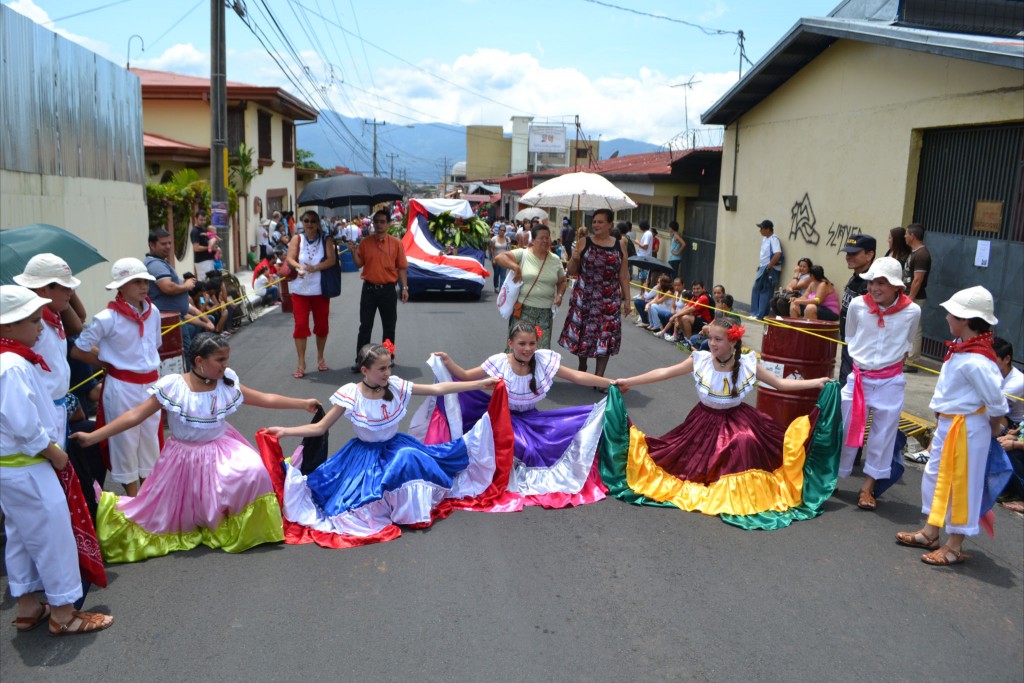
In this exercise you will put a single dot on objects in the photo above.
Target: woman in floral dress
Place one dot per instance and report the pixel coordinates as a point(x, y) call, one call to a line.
point(593, 328)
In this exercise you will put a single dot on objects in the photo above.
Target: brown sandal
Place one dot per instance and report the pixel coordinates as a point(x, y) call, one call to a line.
point(866, 501)
point(28, 623)
point(941, 557)
point(909, 538)
point(84, 622)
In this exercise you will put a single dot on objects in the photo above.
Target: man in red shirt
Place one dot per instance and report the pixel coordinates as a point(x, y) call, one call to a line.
point(382, 259)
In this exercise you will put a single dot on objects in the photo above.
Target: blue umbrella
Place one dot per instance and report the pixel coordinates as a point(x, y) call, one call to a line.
point(18, 245)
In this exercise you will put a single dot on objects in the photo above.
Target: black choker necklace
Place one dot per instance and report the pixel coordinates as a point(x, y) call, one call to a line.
point(521, 362)
point(206, 380)
point(722, 362)
point(371, 387)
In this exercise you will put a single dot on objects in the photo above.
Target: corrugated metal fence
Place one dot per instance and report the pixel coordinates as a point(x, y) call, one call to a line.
point(65, 110)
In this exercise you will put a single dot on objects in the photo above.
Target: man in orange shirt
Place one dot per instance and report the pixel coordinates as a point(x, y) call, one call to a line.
point(382, 259)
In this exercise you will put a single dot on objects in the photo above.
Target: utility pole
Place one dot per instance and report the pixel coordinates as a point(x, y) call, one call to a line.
point(444, 177)
point(218, 124)
point(375, 125)
point(391, 157)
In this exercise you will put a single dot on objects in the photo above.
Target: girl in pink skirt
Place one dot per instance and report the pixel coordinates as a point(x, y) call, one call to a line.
point(209, 486)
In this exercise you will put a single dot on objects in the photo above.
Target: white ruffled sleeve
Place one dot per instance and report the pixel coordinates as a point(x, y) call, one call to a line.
point(548, 363)
point(346, 396)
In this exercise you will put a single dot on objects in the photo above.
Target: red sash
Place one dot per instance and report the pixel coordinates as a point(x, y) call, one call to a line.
point(53, 320)
point(859, 411)
point(16, 347)
point(90, 561)
point(902, 301)
point(101, 416)
point(121, 306)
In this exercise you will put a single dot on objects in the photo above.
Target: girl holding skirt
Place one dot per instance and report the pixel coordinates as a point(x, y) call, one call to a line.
point(209, 486)
point(554, 450)
point(381, 477)
point(726, 457)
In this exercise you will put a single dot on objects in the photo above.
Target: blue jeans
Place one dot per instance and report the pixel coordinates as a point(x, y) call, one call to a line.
point(659, 313)
point(639, 303)
point(762, 291)
point(499, 275)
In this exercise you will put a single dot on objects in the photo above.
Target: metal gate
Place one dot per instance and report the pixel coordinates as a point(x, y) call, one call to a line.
point(958, 168)
point(700, 230)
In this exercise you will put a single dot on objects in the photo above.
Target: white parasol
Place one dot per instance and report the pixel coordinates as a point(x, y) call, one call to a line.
point(530, 213)
point(578, 192)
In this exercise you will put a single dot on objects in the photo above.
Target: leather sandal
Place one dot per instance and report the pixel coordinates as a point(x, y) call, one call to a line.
point(866, 501)
point(941, 557)
point(910, 538)
point(81, 622)
point(28, 623)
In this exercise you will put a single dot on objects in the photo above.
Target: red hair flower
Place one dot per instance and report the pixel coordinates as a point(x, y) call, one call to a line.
point(540, 332)
point(735, 332)
point(389, 345)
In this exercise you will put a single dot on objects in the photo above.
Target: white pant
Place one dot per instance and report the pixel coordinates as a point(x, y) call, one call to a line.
point(41, 552)
point(132, 452)
point(202, 268)
point(884, 398)
point(979, 437)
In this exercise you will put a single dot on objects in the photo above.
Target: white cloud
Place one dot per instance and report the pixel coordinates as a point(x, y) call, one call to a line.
point(39, 15)
point(182, 58)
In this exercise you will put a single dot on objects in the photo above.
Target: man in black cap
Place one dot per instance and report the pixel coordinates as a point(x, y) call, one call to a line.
point(769, 270)
point(860, 253)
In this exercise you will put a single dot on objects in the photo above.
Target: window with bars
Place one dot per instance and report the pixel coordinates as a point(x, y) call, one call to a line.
point(263, 127)
point(236, 129)
point(287, 142)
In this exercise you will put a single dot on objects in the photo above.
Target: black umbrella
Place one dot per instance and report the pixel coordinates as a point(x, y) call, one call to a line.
point(651, 263)
point(346, 190)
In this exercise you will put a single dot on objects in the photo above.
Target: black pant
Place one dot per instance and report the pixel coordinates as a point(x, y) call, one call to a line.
point(373, 299)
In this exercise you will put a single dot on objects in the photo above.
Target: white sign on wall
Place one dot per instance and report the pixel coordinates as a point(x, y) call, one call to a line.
point(547, 139)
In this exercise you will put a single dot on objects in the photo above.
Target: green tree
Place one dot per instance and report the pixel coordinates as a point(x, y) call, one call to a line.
point(304, 158)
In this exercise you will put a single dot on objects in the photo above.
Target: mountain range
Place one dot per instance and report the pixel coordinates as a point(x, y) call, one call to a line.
point(418, 152)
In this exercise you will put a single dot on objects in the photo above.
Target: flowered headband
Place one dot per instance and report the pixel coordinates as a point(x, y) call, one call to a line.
point(540, 332)
point(735, 332)
point(389, 345)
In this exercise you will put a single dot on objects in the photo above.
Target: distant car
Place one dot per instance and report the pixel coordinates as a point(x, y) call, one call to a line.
point(430, 269)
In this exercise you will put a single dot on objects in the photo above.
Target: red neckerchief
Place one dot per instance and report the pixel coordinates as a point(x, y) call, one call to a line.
point(127, 310)
point(23, 351)
point(902, 301)
point(53, 320)
point(981, 344)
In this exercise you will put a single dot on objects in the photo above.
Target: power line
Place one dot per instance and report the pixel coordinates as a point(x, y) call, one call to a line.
point(87, 11)
point(704, 29)
point(171, 27)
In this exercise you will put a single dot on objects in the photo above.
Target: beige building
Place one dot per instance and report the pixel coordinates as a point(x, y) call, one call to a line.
point(176, 120)
point(492, 154)
point(855, 123)
point(71, 156)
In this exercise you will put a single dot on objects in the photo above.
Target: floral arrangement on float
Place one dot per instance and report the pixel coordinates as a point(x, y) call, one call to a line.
point(452, 232)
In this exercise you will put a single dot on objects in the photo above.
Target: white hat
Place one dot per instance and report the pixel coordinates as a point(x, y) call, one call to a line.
point(126, 270)
point(42, 269)
point(18, 303)
point(886, 267)
point(265, 222)
point(973, 302)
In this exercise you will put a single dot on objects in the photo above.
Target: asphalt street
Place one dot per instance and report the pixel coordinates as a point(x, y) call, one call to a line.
point(605, 592)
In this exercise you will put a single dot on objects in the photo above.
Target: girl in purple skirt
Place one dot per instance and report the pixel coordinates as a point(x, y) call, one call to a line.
point(554, 464)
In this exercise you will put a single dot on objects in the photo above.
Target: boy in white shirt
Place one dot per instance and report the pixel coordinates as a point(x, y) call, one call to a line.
point(971, 409)
point(880, 328)
point(49, 276)
point(125, 339)
point(41, 553)
point(1013, 381)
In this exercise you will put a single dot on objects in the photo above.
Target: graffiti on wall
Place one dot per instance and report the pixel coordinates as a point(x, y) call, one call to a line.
point(803, 221)
point(838, 234)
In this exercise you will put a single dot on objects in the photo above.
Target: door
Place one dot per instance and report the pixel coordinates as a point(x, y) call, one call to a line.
point(700, 231)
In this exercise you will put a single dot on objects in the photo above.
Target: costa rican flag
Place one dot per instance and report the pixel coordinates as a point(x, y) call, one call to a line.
point(425, 254)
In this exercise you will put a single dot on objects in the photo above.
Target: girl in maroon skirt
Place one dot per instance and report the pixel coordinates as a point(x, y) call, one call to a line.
point(722, 437)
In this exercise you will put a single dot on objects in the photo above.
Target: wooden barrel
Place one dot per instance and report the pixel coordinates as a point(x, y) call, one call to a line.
point(172, 359)
point(286, 296)
point(787, 350)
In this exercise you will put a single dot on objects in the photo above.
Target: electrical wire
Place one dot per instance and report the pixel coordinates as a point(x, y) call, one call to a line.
point(86, 11)
point(172, 26)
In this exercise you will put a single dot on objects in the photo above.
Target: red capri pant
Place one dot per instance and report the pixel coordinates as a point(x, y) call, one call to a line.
point(320, 306)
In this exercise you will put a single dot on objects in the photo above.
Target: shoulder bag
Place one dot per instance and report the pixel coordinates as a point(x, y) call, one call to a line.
point(517, 310)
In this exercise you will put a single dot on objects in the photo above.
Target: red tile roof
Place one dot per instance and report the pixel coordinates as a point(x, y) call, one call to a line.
point(168, 85)
point(647, 164)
